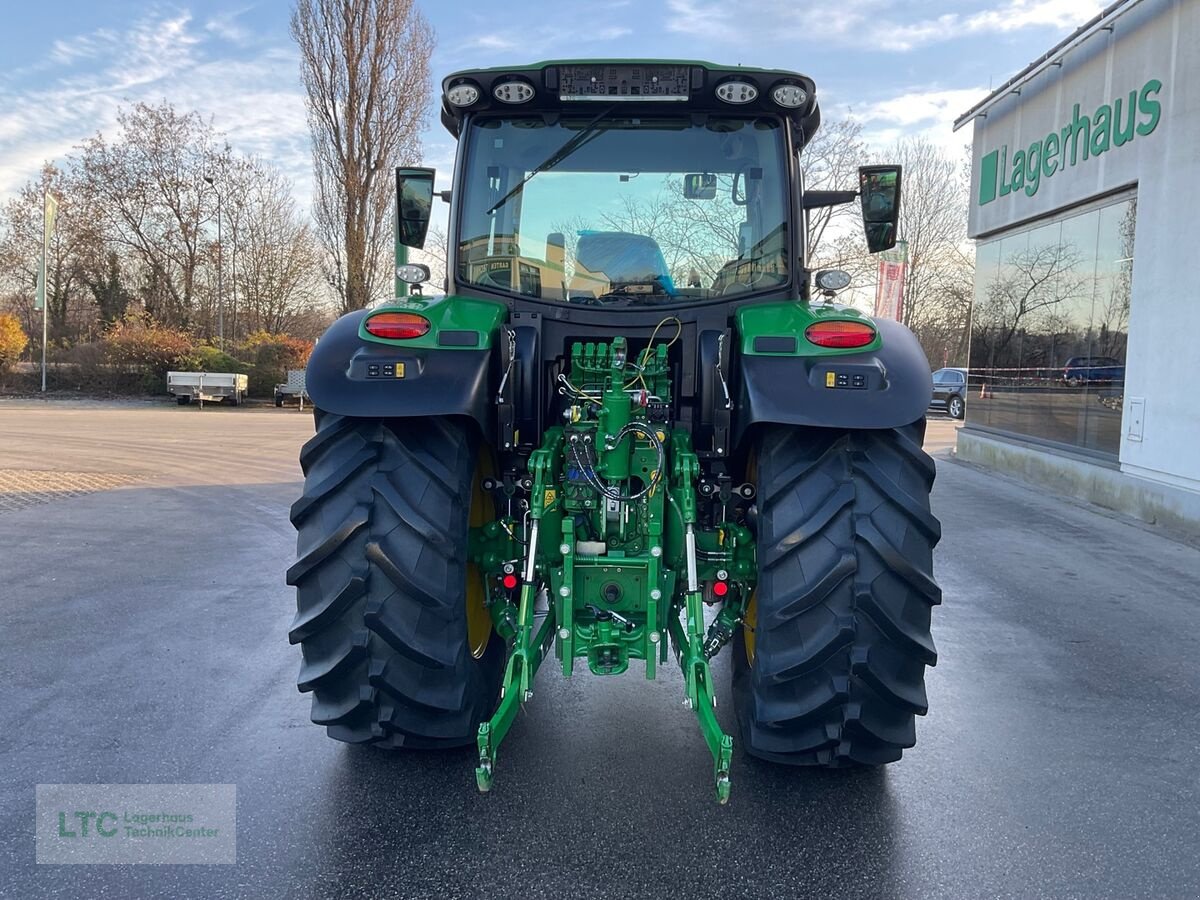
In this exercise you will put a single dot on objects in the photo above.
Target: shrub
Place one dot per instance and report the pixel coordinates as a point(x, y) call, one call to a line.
point(12, 341)
point(271, 356)
point(148, 347)
point(207, 358)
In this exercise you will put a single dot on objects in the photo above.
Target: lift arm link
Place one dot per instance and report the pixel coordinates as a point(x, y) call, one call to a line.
point(529, 649)
point(689, 638)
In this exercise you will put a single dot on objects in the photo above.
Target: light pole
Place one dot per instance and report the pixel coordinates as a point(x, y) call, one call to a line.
point(220, 268)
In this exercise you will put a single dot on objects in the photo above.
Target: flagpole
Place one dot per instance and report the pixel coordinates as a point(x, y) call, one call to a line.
point(42, 273)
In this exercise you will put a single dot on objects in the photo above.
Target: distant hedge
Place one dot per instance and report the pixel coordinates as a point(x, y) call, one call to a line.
point(135, 354)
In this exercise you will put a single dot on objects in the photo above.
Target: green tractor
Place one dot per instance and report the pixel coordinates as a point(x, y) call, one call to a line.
point(635, 420)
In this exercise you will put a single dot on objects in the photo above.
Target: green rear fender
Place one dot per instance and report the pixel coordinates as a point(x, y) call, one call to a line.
point(447, 371)
point(787, 380)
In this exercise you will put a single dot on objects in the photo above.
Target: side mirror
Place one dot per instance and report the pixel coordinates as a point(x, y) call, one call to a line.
point(879, 191)
point(414, 203)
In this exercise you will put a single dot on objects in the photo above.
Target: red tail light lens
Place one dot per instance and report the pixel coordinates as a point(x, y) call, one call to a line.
point(720, 588)
point(840, 335)
point(510, 581)
point(398, 326)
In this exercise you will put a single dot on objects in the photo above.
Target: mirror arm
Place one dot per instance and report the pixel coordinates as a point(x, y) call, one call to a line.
point(818, 199)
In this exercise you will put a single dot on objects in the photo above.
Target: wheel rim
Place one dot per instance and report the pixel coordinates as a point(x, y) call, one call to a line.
point(479, 620)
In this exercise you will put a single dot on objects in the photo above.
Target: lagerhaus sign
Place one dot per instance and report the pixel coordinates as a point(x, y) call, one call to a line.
point(1084, 137)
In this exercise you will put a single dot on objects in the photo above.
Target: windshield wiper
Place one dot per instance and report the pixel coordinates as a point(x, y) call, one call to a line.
point(588, 132)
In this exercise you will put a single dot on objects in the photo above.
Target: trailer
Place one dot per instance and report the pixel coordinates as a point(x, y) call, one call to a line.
point(211, 386)
point(293, 389)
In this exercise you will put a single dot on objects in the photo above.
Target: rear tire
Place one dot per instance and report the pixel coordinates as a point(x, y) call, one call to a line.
point(183, 400)
point(381, 584)
point(956, 407)
point(830, 667)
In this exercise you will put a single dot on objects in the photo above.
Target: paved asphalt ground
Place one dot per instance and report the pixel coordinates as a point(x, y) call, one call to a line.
point(144, 640)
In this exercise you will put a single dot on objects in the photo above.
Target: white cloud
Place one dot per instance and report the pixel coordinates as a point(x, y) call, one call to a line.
point(551, 38)
point(915, 111)
point(226, 26)
point(1017, 14)
point(254, 97)
point(86, 46)
point(870, 24)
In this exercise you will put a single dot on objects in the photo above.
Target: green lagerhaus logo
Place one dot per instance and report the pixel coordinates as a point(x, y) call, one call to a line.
point(1111, 125)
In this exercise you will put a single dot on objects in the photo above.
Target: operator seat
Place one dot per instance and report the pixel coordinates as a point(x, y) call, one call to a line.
point(607, 261)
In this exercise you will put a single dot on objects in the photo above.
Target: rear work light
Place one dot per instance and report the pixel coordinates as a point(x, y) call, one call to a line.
point(513, 92)
point(463, 94)
point(397, 326)
point(790, 96)
point(737, 92)
point(839, 334)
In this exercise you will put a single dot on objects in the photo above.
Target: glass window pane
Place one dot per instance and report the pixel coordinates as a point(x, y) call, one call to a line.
point(1050, 325)
point(983, 331)
point(1035, 309)
point(1110, 326)
point(1008, 298)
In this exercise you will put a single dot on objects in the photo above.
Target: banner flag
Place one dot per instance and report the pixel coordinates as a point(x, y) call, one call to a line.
point(889, 289)
point(49, 213)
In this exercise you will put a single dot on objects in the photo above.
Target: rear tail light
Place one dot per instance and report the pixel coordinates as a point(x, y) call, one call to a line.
point(840, 335)
point(397, 326)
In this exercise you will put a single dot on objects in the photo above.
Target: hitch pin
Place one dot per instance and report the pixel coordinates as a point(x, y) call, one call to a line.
point(531, 557)
point(693, 579)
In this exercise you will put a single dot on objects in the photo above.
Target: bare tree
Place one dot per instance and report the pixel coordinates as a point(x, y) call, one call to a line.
point(433, 254)
point(278, 269)
point(939, 275)
point(365, 68)
point(21, 221)
point(829, 162)
point(146, 188)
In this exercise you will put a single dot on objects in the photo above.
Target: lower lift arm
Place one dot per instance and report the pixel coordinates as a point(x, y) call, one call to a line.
point(529, 647)
point(689, 638)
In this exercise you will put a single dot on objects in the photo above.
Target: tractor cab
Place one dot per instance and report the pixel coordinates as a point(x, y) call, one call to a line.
point(634, 185)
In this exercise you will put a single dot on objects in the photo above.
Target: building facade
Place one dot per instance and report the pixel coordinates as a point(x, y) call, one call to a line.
point(1085, 209)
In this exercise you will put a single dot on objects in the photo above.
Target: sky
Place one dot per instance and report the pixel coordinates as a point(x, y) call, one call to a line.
point(900, 68)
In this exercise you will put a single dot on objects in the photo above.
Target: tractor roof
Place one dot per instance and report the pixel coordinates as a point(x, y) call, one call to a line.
point(639, 86)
